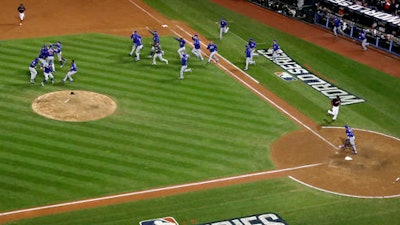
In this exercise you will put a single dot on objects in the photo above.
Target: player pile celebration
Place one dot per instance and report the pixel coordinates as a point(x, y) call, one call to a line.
point(45, 62)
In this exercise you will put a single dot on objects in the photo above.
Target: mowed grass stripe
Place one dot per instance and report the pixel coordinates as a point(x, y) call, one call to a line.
point(164, 131)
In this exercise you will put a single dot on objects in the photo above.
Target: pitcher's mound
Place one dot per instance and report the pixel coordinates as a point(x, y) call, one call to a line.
point(74, 105)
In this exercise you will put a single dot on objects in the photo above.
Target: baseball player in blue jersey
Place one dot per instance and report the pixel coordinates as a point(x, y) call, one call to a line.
point(252, 45)
point(213, 50)
point(275, 50)
point(32, 70)
point(156, 39)
point(158, 53)
point(184, 68)
point(72, 71)
point(223, 27)
point(196, 49)
point(58, 50)
point(182, 49)
point(48, 73)
point(363, 38)
point(350, 140)
point(249, 61)
point(139, 47)
point(133, 38)
point(337, 26)
point(42, 56)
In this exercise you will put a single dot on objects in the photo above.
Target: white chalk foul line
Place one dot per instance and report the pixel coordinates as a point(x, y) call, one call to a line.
point(155, 190)
point(341, 194)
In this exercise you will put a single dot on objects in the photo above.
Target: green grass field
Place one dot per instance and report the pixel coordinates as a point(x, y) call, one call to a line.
point(168, 131)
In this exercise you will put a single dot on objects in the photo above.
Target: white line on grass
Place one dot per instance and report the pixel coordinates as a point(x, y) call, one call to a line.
point(155, 190)
point(341, 194)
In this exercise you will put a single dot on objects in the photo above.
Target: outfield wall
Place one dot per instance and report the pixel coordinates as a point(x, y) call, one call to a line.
point(381, 33)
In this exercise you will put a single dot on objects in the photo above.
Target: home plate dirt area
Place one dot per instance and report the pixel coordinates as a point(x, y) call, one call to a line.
point(370, 173)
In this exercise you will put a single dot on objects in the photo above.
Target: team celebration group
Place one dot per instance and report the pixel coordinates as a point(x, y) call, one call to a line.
point(157, 52)
point(45, 62)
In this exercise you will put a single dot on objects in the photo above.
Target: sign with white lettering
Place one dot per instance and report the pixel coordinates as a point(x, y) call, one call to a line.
point(259, 219)
point(327, 89)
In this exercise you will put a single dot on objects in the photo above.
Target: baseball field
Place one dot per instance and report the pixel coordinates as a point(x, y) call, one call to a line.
point(217, 145)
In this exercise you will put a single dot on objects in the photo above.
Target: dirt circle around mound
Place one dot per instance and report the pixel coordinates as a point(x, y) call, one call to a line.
point(372, 173)
point(74, 105)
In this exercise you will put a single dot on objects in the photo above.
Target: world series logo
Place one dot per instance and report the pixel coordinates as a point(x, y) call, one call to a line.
point(160, 221)
point(292, 68)
point(258, 219)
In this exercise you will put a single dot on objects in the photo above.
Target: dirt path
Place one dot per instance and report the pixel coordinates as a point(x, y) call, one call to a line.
point(320, 144)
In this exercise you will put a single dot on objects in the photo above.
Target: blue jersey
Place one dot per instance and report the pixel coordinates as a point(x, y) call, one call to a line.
point(252, 44)
point(196, 42)
point(133, 37)
point(33, 63)
point(362, 36)
point(212, 47)
point(275, 47)
point(156, 38)
point(48, 69)
point(181, 41)
point(42, 55)
point(349, 132)
point(73, 67)
point(248, 51)
point(57, 47)
point(223, 23)
point(337, 22)
point(138, 40)
point(184, 59)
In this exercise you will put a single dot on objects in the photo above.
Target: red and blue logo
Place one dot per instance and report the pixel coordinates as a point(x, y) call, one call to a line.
point(160, 221)
point(285, 76)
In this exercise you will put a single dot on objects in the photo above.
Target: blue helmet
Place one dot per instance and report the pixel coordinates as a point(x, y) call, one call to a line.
point(347, 127)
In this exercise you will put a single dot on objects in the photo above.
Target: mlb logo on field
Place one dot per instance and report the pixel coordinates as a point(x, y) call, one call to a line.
point(160, 221)
point(285, 76)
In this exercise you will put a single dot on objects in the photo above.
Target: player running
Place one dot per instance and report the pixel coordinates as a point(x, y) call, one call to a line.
point(275, 49)
point(334, 111)
point(21, 10)
point(139, 47)
point(72, 71)
point(156, 39)
point(350, 140)
point(158, 53)
point(196, 50)
point(223, 28)
point(252, 45)
point(133, 38)
point(213, 50)
point(249, 60)
point(337, 26)
point(184, 68)
point(32, 70)
point(58, 50)
point(182, 49)
point(48, 73)
point(363, 38)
